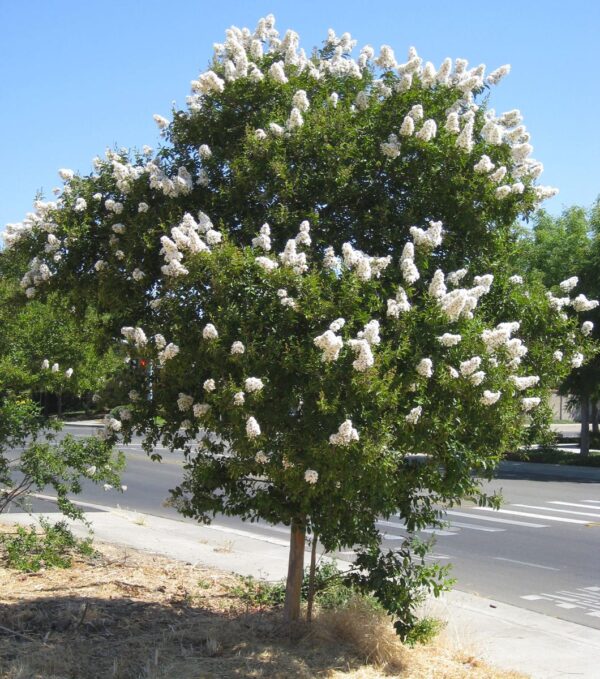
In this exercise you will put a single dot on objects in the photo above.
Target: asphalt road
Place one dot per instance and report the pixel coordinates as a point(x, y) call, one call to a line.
point(540, 551)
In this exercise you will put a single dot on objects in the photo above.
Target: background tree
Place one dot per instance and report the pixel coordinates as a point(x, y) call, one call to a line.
point(314, 375)
point(559, 248)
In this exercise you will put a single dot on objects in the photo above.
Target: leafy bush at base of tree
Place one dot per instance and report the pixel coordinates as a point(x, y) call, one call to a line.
point(29, 550)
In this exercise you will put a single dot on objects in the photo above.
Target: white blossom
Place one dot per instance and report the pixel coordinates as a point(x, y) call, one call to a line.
point(337, 325)
point(210, 332)
point(428, 131)
point(266, 263)
point(69, 373)
point(204, 151)
point(425, 367)
point(470, 366)
point(345, 435)
point(452, 123)
point(185, 402)
point(449, 340)
point(577, 360)
point(239, 398)
point(568, 284)
point(252, 428)
point(587, 328)
point(400, 305)
point(490, 397)
point(66, 175)
point(169, 352)
point(496, 76)
point(253, 384)
point(528, 404)
point(261, 458)
point(364, 355)
point(162, 122)
point(263, 240)
point(200, 409)
point(277, 73)
point(477, 378)
point(558, 355)
point(437, 287)
point(311, 476)
point(209, 385)
point(582, 303)
point(484, 165)
point(407, 127)
point(330, 344)
point(80, 205)
point(526, 382)
point(237, 348)
point(516, 280)
point(45, 364)
point(454, 277)
point(414, 415)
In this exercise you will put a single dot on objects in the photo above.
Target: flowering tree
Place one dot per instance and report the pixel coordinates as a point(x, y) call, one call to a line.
point(314, 267)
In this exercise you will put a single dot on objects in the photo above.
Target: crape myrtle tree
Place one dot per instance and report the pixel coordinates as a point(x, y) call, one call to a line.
point(314, 267)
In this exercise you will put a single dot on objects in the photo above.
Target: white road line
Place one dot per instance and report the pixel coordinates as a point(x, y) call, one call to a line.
point(526, 563)
point(590, 500)
point(496, 520)
point(472, 526)
point(555, 509)
point(437, 531)
point(532, 516)
point(571, 504)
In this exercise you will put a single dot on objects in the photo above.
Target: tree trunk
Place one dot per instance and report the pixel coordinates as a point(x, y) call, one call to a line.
point(59, 404)
point(311, 579)
point(595, 429)
point(585, 426)
point(293, 587)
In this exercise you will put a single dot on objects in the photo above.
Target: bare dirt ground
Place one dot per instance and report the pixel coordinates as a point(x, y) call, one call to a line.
point(127, 614)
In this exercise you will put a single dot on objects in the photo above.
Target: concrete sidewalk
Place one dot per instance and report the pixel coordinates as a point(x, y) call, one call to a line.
point(507, 636)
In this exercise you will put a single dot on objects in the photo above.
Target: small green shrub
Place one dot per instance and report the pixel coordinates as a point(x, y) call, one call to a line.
point(29, 551)
point(423, 631)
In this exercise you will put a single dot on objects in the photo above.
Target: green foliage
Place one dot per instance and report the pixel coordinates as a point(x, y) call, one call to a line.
point(32, 459)
point(424, 631)
point(29, 550)
point(553, 455)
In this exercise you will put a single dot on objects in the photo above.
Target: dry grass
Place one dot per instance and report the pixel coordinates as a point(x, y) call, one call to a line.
point(131, 615)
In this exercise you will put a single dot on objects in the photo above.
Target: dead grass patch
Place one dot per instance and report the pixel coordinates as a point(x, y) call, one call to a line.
point(127, 614)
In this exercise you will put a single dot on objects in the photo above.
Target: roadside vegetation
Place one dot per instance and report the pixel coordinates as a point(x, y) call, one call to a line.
point(127, 614)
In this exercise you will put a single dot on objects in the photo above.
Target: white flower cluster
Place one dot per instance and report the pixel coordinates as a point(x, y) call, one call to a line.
point(366, 267)
point(185, 236)
point(252, 428)
point(311, 476)
point(239, 398)
point(209, 385)
point(462, 302)
point(414, 415)
point(490, 397)
point(425, 368)
point(345, 434)
point(185, 402)
point(209, 332)
point(201, 409)
point(135, 335)
point(586, 328)
point(582, 303)
point(568, 284)
point(429, 238)
point(290, 257)
point(285, 299)
point(529, 404)
point(263, 240)
point(526, 382)
point(398, 306)
point(169, 352)
point(449, 340)
point(437, 286)
point(409, 270)
point(253, 384)
point(237, 348)
point(330, 344)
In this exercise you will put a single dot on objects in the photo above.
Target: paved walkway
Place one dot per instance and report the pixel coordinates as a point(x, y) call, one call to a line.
point(507, 636)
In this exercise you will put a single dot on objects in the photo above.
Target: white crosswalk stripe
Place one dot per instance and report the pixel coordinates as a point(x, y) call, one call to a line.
point(564, 511)
point(561, 519)
point(494, 519)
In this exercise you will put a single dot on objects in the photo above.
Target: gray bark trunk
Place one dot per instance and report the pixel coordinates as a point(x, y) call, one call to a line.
point(293, 588)
point(585, 426)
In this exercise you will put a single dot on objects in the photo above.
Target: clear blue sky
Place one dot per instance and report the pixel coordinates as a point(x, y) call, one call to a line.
point(77, 76)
